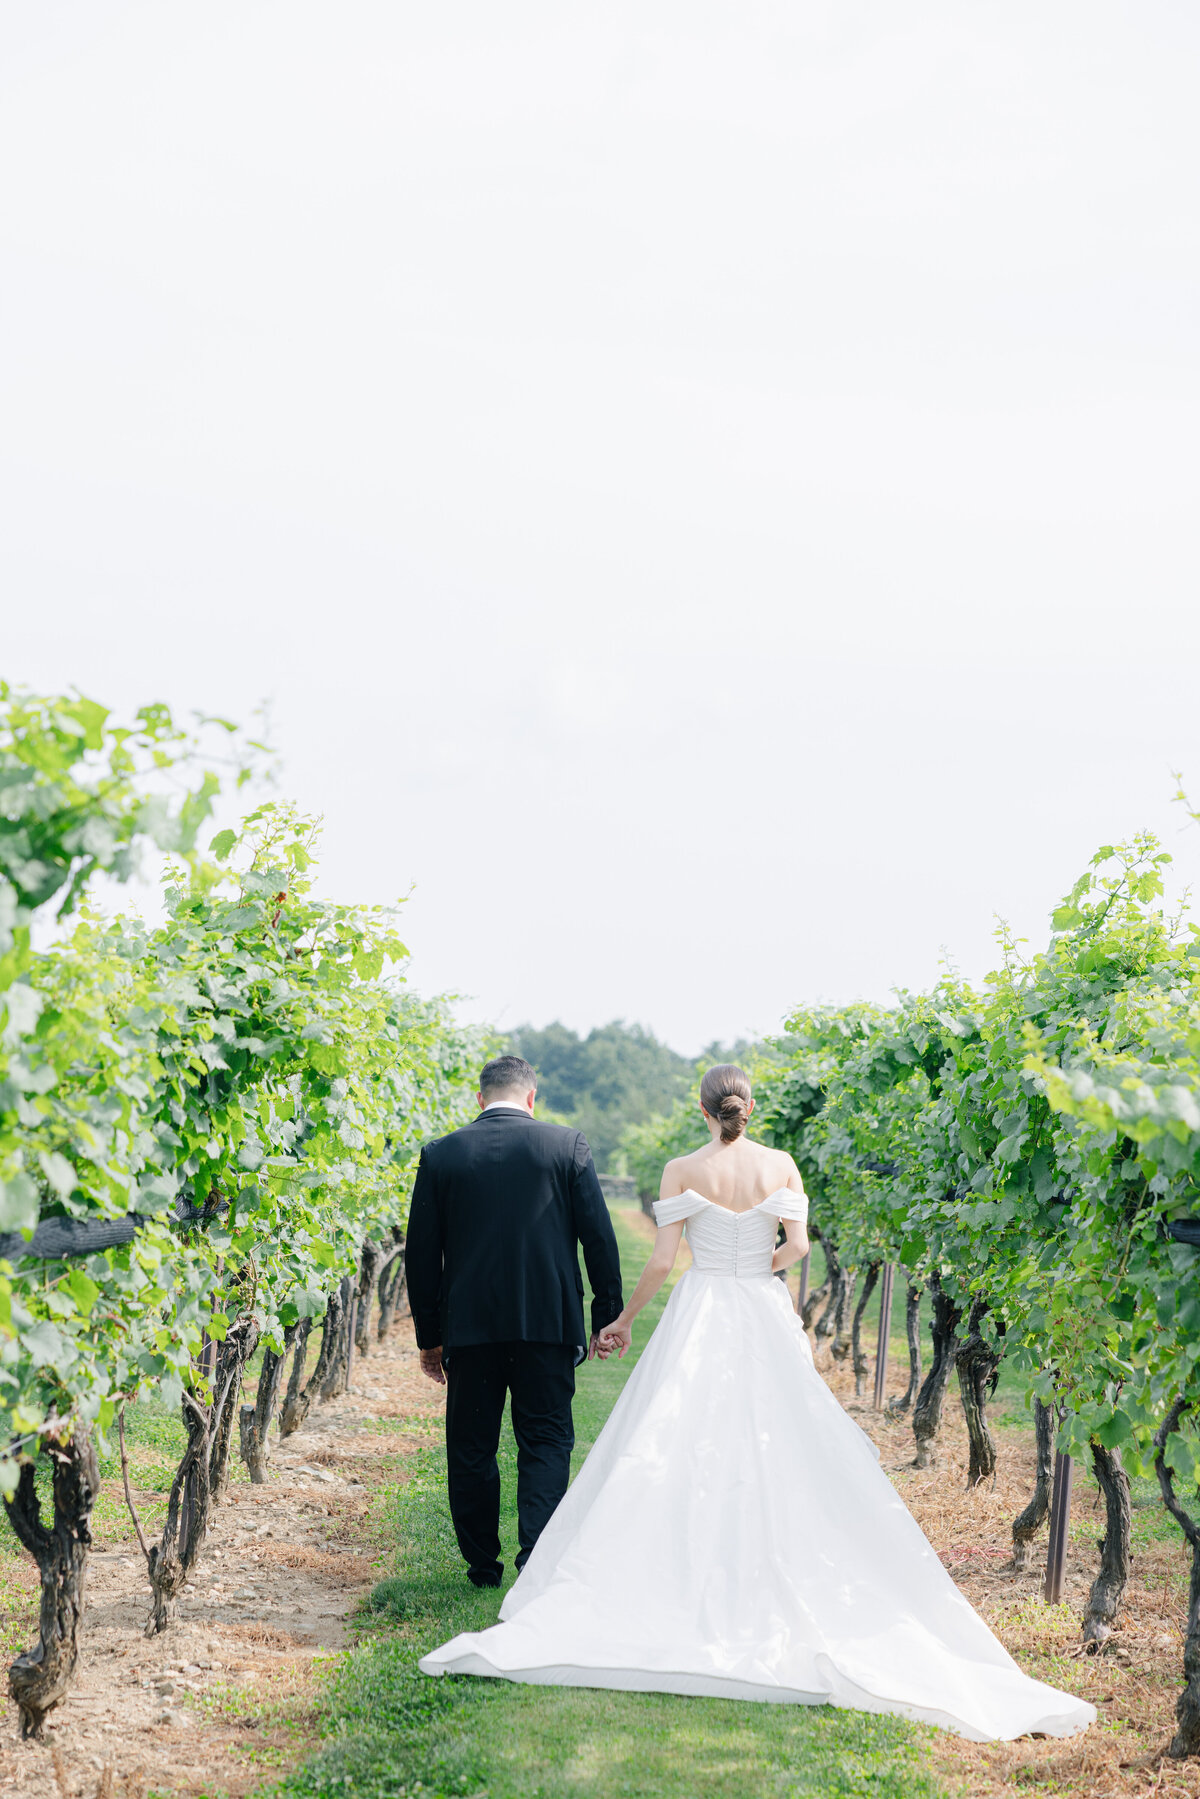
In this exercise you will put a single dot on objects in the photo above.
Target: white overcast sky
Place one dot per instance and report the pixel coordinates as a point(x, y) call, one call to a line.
point(709, 487)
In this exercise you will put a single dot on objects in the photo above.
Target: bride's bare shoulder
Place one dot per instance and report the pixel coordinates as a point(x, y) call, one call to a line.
point(778, 1161)
point(679, 1169)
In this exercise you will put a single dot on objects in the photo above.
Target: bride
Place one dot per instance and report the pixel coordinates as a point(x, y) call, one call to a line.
point(731, 1531)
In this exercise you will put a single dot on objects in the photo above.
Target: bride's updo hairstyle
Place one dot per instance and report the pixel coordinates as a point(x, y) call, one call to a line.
point(725, 1095)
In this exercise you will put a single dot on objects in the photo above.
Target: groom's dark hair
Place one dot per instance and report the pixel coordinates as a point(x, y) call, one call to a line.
point(503, 1072)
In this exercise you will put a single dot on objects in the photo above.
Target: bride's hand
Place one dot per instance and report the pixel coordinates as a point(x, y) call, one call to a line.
point(616, 1336)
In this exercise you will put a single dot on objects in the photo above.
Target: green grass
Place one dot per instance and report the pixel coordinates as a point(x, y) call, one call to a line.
point(392, 1733)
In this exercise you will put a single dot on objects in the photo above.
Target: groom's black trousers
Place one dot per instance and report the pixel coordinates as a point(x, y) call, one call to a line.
point(541, 1379)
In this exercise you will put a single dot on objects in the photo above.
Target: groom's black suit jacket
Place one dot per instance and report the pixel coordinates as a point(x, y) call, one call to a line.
point(498, 1213)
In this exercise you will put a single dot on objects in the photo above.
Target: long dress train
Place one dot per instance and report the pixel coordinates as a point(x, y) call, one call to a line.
point(732, 1533)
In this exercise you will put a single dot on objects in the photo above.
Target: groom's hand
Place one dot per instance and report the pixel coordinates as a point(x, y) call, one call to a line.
point(431, 1365)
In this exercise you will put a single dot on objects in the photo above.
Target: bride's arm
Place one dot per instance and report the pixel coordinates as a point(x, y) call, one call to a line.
point(619, 1334)
point(796, 1245)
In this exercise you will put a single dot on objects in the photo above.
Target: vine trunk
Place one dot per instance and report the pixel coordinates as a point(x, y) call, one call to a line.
point(39, 1678)
point(912, 1327)
point(1186, 1740)
point(241, 1341)
point(978, 1367)
point(1028, 1522)
point(392, 1287)
point(290, 1415)
point(337, 1373)
point(843, 1314)
point(170, 1560)
point(1108, 1589)
point(254, 1421)
point(862, 1366)
point(370, 1266)
point(927, 1413)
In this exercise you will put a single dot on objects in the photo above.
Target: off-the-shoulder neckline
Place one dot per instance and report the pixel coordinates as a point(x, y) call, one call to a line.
point(720, 1208)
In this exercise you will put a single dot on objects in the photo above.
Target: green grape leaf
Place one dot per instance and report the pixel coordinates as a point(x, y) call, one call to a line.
point(83, 1290)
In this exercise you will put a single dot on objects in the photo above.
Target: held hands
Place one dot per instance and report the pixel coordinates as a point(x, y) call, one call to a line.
point(431, 1365)
point(616, 1336)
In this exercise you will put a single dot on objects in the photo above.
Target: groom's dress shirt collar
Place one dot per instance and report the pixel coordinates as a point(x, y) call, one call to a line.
point(505, 1105)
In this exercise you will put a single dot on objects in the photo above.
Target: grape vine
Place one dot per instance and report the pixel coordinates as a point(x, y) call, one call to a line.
point(247, 1085)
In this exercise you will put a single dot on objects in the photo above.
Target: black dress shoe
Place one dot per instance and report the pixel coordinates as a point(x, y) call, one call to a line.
point(483, 1577)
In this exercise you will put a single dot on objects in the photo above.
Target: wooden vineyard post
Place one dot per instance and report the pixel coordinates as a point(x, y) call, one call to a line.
point(885, 1328)
point(1060, 1515)
point(802, 1301)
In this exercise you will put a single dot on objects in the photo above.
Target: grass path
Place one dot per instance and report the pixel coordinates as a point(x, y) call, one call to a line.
point(391, 1731)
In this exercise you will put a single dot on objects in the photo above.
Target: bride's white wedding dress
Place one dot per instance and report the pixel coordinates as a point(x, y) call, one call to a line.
point(732, 1533)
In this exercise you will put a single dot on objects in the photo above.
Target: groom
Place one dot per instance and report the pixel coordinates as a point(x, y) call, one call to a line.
point(498, 1213)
